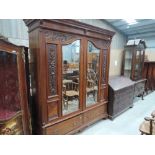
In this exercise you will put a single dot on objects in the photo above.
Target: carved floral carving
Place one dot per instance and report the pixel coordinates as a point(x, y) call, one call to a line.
point(104, 66)
point(58, 36)
point(52, 68)
point(106, 44)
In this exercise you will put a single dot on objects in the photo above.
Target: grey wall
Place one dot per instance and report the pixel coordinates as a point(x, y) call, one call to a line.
point(15, 30)
point(118, 40)
point(150, 50)
point(117, 45)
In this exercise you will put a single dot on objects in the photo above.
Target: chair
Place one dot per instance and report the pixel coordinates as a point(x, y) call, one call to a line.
point(153, 114)
point(91, 83)
point(71, 93)
point(148, 125)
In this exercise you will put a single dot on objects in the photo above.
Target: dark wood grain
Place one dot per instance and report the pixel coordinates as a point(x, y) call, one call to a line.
point(121, 95)
point(149, 74)
point(47, 105)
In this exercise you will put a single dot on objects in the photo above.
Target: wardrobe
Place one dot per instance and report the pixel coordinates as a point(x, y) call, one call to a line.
point(69, 70)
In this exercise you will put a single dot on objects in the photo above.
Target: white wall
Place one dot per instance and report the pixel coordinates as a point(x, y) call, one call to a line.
point(150, 50)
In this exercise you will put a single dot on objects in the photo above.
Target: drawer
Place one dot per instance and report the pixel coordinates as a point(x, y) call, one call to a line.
point(95, 113)
point(64, 127)
point(12, 126)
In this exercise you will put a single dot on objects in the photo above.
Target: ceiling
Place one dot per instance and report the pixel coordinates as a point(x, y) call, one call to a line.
point(144, 28)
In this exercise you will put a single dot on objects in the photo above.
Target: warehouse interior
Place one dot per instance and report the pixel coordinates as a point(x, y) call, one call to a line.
point(123, 97)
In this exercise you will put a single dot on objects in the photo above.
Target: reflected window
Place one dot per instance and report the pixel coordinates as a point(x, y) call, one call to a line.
point(92, 74)
point(70, 77)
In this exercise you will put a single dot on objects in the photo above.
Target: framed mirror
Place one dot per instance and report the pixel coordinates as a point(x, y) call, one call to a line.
point(70, 77)
point(92, 81)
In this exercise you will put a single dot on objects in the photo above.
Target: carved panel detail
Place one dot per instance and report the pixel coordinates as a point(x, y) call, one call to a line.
point(104, 66)
point(58, 36)
point(52, 68)
point(106, 44)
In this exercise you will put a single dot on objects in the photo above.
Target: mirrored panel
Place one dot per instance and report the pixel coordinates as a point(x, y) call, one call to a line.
point(137, 64)
point(9, 86)
point(70, 77)
point(92, 82)
point(127, 63)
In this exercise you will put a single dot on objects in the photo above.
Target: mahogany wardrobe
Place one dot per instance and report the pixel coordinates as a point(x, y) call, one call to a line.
point(69, 69)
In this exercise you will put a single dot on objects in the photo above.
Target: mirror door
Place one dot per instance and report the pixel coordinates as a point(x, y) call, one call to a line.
point(92, 74)
point(70, 77)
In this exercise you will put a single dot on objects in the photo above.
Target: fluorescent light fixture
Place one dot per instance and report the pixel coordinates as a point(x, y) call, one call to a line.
point(130, 21)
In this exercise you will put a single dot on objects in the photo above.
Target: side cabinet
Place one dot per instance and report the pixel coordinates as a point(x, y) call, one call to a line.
point(14, 111)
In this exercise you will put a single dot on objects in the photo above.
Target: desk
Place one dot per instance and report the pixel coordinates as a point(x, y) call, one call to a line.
point(121, 95)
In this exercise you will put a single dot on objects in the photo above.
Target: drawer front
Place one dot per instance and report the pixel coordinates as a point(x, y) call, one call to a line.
point(125, 90)
point(95, 113)
point(12, 127)
point(64, 127)
point(123, 94)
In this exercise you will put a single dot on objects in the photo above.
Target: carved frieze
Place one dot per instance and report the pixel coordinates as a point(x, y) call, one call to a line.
point(58, 36)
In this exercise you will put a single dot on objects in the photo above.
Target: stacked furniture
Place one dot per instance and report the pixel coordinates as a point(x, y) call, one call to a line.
point(14, 112)
point(69, 74)
point(121, 94)
point(133, 64)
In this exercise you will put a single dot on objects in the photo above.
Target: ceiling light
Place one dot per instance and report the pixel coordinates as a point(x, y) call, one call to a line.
point(130, 21)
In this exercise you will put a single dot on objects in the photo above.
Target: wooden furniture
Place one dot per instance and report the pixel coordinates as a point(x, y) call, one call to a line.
point(53, 42)
point(153, 114)
point(139, 89)
point(121, 94)
point(14, 112)
point(133, 64)
point(147, 127)
point(149, 74)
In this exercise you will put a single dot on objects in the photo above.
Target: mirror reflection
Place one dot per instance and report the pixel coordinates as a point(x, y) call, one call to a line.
point(70, 77)
point(92, 74)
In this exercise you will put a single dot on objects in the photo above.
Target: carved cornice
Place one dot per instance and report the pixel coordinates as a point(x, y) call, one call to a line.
point(35, 23)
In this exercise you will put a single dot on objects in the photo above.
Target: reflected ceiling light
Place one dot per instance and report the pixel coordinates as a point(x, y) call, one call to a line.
point(130, 21)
